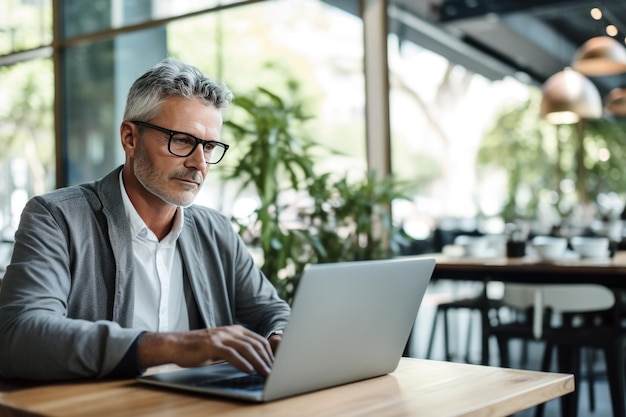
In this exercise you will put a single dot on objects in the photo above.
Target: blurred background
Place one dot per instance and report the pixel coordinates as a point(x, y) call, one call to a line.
point(446, 96)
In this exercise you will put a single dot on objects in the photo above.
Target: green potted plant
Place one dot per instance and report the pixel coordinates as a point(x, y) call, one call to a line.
point(351, 221)
point(343, 220)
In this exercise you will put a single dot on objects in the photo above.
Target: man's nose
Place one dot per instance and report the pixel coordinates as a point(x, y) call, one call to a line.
point(197, 157)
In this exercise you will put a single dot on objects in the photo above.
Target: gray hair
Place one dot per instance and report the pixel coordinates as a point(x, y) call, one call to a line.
point(172, 78)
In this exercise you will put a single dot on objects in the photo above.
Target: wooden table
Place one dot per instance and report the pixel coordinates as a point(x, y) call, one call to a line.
point(418, 387)
point(610, 272)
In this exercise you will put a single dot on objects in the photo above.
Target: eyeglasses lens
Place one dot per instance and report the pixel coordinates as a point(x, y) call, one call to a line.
point(183, 145)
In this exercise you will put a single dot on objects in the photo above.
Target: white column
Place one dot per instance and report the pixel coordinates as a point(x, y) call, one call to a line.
point(374, 14)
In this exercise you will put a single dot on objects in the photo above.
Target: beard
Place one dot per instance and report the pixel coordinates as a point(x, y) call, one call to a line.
point(156, 181)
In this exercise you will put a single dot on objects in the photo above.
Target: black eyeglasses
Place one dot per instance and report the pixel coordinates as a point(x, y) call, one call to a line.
point(183, 144)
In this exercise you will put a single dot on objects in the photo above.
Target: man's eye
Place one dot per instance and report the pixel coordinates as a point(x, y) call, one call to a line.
point(183, 140)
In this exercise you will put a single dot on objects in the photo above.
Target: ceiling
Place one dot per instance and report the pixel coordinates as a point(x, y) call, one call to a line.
point(528, 39)
point(536, 37)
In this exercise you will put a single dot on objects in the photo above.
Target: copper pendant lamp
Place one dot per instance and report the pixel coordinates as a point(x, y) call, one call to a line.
point(616, 101)
point(569, 96)
point(599, 56)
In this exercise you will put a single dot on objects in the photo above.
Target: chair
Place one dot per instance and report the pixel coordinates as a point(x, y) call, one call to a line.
point(477, 302)
point(567, 318)
point(486, 307)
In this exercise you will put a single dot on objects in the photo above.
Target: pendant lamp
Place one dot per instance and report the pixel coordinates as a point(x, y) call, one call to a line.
point(616, 101)
point(599, 56)
point(569, 96)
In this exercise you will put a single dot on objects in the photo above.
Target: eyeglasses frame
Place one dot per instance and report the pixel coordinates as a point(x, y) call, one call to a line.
point(171, 134)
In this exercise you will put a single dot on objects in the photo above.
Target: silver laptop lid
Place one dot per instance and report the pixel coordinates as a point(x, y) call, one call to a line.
point(350, 321)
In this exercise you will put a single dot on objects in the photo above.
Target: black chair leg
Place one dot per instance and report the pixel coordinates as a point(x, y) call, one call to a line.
point(569, 363)
point(432, 333)
point(468, 343)
point(546, 361)
point(407, 353)
point(591, 379)
point(614, 357)
point(503, 347)
point(446, 336)
point(485, 325)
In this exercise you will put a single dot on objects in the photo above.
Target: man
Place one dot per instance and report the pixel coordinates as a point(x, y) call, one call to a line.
point(121, 274)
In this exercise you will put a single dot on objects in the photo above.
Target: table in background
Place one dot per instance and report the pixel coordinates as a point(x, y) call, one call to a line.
point(610, 272)
point(418, 387)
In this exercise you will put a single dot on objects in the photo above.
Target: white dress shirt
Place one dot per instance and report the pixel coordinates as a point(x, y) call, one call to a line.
point(158, 273)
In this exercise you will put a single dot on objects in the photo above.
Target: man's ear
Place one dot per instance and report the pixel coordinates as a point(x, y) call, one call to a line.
point(128, 136)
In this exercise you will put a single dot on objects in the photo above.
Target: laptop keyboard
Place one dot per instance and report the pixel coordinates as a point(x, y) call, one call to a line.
point(249, 382)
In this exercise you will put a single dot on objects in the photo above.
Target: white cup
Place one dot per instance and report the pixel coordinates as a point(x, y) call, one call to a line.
point(549, 247)
point(591, 246)
point(474, 246)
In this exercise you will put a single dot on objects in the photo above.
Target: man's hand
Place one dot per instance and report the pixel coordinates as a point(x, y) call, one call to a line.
point(241, 347)
point(275, 341)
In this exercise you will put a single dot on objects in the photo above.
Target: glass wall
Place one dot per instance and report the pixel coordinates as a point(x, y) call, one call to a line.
point(270, 44)
point(27, 163)
point(24, 25)
point(440, 111)
point(274, 45)
point(97, 76)
point(85, 17)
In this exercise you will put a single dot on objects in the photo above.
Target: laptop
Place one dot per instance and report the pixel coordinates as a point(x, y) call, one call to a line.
point(350, 321)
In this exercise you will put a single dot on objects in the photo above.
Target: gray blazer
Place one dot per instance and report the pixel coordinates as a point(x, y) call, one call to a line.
point(66, 301)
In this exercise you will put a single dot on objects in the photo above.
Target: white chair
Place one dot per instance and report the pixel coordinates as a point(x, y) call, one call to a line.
point(571, 298)
point(544, 303)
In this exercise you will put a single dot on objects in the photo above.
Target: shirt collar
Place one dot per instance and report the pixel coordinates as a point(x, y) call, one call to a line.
point(138, 227)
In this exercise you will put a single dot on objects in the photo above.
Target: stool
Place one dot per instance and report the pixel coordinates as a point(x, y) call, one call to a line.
point(478, 303)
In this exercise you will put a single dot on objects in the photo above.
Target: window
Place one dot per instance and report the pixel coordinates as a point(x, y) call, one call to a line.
point(27, 161)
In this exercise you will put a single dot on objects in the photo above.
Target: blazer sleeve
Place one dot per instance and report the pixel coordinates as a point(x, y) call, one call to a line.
point(39, 339)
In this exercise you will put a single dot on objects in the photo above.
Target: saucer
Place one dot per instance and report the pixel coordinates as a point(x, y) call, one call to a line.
point(566, 256)
point(605, 255)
